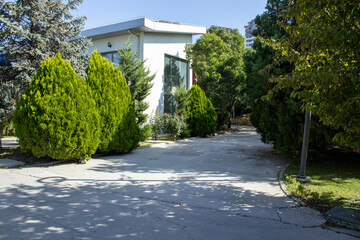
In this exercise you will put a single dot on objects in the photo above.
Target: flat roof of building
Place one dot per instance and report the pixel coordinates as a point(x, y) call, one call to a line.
point(142, 25)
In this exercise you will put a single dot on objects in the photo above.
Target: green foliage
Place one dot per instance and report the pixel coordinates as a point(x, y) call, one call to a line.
point(182, 99)
point(266, 23)
point(138, 78)
point(28, 36)
point(217, 59)
point(323, 44)
point(335, 181)
point(173, 124)
point(119, 131)
point(145, 132)
point(223, 120)
point(156, 124)
point(201, 116)
point(56, 117)
point(278, 117)
point(8, 129)
point(7, 105)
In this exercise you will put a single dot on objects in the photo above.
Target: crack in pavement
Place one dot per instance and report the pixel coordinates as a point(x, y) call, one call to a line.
point(184, 227)
point(48, 218)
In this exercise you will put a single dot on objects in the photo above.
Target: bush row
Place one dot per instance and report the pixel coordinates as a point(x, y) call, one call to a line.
point(63, 116)
point(195, 116)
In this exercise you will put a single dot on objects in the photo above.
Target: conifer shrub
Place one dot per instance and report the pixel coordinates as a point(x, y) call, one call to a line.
point(173, 124)
point(119, 131)
point(201, 116)
point(56, 117)
point(145, 132)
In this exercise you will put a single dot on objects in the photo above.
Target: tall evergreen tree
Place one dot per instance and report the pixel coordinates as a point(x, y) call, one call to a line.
point(32, 31)
point(138, 78)
point(57, 116)
point(119, 131)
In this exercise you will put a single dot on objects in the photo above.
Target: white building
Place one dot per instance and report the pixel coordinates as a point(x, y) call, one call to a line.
point(249, 38)
point(160, 43)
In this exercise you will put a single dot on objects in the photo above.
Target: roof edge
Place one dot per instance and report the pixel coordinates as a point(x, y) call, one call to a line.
point(143, 24)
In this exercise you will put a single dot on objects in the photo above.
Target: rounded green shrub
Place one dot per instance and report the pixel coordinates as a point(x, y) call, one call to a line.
point(119, 131)
point(173, 124)
point(56, 117)
point(201, 116)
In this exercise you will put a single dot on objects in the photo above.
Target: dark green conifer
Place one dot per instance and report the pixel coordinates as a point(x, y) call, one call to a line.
point(138, 78)
point(201, 116)
point(56, 117)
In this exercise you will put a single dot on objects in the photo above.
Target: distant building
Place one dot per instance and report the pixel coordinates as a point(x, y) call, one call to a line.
point(161, 44)
point(249, 38)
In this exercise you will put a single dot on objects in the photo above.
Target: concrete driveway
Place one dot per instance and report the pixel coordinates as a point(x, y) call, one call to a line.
point(223, 187)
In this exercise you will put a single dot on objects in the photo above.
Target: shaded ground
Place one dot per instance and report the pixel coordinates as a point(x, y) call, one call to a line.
point(335, 180)
point(223, 187)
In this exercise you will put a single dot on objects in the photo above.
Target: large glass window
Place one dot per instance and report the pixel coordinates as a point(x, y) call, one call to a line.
point(176, 72)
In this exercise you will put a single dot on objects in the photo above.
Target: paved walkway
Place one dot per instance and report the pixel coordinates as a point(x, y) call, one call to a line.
point(223, 187)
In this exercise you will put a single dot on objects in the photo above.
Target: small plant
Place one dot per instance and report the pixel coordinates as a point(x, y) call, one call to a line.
point(173, 124)
point(295, 187)
point(145, 132)
point(181, 97)
point(156, 124)
point(223, 119)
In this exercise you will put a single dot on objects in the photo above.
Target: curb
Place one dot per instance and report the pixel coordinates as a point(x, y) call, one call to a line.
point(46, 164)
point(283, 187)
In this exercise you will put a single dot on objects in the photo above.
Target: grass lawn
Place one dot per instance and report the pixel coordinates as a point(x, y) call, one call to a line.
point(335, 181)
point(165, 138)
point(142, 144)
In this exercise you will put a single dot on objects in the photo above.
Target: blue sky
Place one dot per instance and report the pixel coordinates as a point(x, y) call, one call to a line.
point(225, 13)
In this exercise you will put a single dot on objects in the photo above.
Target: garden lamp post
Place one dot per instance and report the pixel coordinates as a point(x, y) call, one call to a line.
point(301, 177)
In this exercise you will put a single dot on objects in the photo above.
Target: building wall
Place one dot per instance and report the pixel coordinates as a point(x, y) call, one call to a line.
point(152, 47)
point(156, 45)
point(118, 42)
point(249, 38)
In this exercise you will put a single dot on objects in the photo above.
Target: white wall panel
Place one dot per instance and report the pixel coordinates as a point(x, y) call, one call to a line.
point(155, 47)
point(116, 43)
point(152, 47)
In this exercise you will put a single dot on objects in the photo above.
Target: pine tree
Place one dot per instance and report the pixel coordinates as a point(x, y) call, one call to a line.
point(32, 31)
point(119, 131)
point(201, 116)
point(56, 117)
point(138, 78)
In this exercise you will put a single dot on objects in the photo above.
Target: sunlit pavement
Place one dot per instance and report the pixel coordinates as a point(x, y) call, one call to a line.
point(222, 187)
